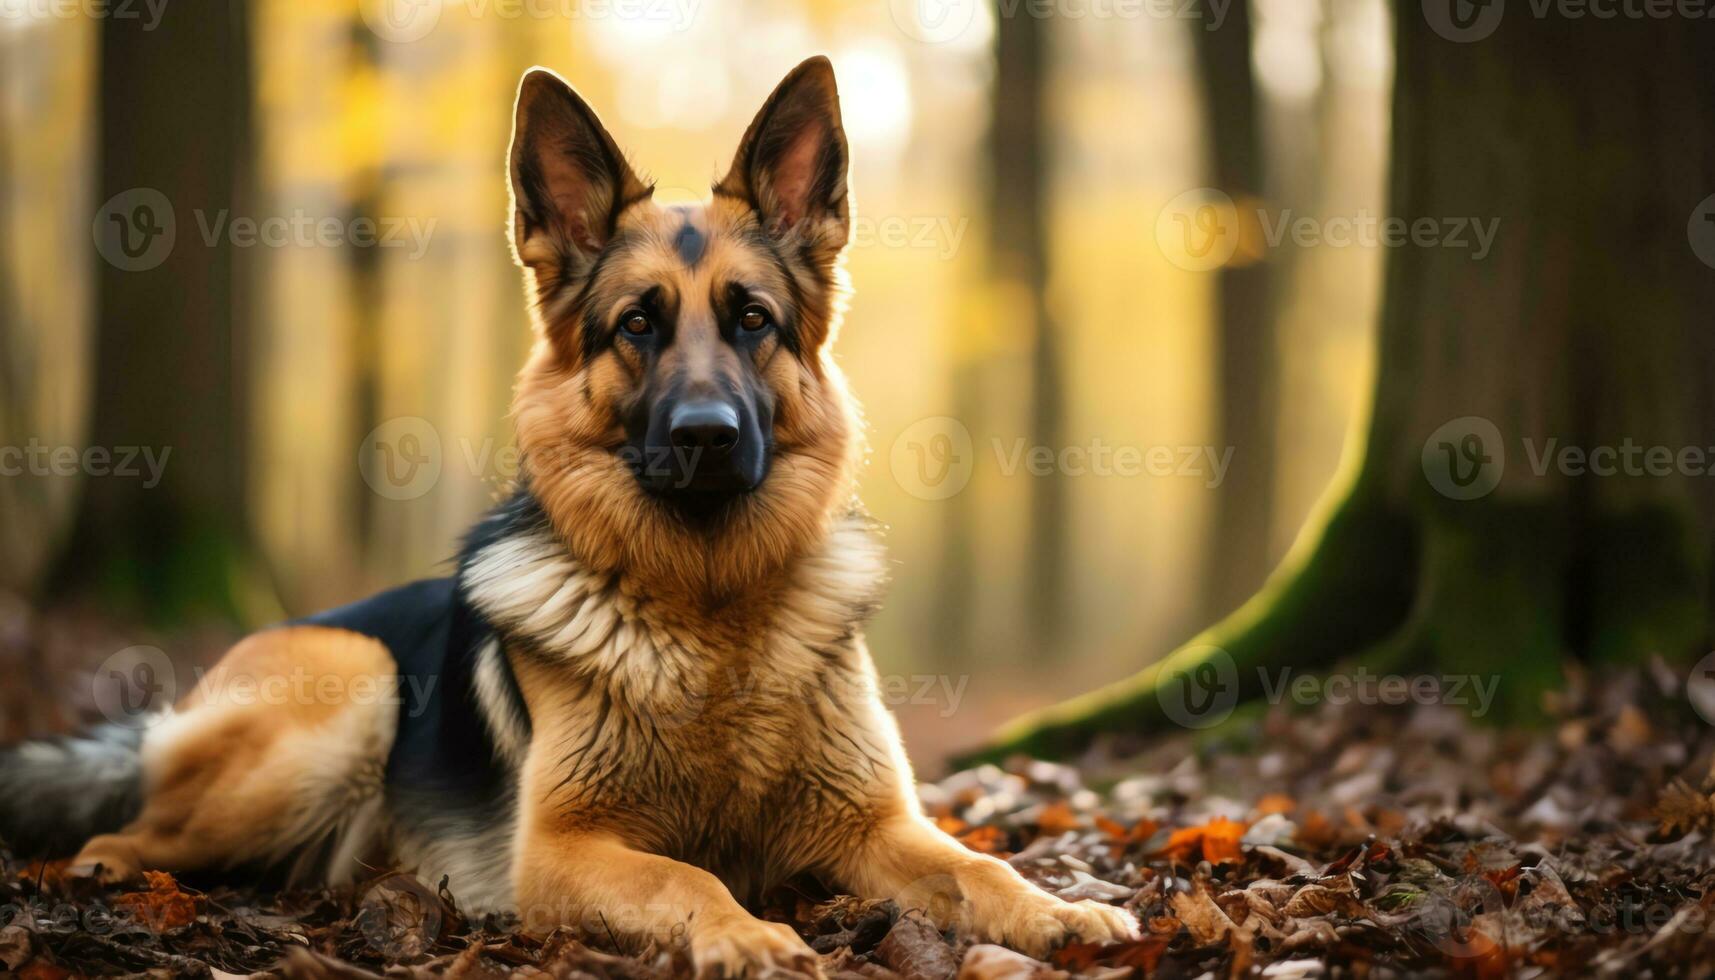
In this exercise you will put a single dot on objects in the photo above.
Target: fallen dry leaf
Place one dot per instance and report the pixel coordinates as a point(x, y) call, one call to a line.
point(15, 946)
point(987, 962)
point(163, 907)
point(1201, 916)
point(1057, 818)
point(1221, 840)
point(985, 840)
point(1322, 899)
point(1216, 842)
point(915, 950)
point(1682, 809)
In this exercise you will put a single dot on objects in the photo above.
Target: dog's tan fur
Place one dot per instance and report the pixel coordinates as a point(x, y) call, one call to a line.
point(248, 769)
point(703, 713)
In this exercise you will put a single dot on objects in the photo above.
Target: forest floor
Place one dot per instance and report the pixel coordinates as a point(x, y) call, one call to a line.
point(1343, 840)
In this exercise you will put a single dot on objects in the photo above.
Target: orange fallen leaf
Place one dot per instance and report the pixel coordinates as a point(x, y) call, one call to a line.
point(1505, 881)
point(1122, 838)
point(163, 907)
point(1057, 818)
point(50, 873)
point(1482, 959)
point(950, 824)
point(1138, 954)
point(40, 969)
point(1141, 954)
point(1216, 841)
point(1275, 803)
point(1163, 925)
point(1113, 828)
point(1183, 844)
point(1077, 957)
point(985, 840)
point(1221, 840)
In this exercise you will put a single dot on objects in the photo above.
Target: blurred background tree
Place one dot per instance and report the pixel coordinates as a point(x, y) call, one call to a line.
point(1244, 334)
point(169, 348)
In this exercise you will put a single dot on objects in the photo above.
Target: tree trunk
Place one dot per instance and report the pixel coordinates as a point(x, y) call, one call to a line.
point(170, 361)
point(1019, 144)
point(1468, 542)
point(1245, 379)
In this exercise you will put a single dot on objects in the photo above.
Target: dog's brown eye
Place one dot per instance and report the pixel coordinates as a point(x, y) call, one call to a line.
point(635, 322)
point(754, 318)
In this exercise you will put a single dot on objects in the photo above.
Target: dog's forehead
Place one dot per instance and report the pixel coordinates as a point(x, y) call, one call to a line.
point(707, 240)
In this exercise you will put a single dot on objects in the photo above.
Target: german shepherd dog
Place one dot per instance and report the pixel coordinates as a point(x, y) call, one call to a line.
point(651, 699)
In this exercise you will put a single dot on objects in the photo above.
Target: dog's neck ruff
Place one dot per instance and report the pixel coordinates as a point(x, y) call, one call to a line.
point(519, 574)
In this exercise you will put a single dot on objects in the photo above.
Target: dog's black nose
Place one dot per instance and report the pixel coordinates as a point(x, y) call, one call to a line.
point(710, 427)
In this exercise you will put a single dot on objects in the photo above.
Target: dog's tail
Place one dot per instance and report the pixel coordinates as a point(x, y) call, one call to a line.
point(57, 793)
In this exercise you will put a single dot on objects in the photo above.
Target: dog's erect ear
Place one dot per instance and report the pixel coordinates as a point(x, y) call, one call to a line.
point(569, 182)
point(791, 164)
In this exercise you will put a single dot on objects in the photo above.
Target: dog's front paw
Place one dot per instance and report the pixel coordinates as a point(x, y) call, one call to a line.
point(1036, 924)
point(107, 859)
point(747, 947)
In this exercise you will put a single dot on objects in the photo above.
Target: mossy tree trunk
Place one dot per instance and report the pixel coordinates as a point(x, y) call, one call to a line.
point(1581, 338)
point(170, 358)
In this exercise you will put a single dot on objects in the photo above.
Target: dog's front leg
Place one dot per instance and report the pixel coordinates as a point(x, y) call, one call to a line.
point(908, 859)
point(597, 883)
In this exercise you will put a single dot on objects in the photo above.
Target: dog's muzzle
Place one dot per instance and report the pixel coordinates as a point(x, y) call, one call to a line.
point(702, 446)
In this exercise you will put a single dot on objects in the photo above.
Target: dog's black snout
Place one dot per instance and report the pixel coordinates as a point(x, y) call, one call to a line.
point(705, 427)
point(701, 444)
